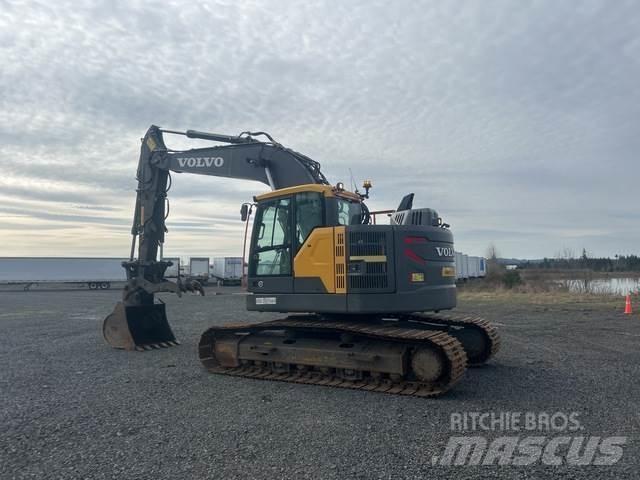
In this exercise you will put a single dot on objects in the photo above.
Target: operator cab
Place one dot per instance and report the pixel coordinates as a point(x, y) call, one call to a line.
point(285, 218)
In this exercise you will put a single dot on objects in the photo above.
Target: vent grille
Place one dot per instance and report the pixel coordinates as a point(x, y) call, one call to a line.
point(418, 216)
point(368, 281)
point(340, 276)
point(340, 245)
point(398, 218)
point(340, 263)
point(367, 243)
point(373, 268)
point(365, 274)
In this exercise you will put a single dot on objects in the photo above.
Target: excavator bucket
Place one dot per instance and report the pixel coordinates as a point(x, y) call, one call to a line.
point(140, 327)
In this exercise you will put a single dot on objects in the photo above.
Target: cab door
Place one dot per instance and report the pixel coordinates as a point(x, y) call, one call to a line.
point(270, 264)
point(314, 248)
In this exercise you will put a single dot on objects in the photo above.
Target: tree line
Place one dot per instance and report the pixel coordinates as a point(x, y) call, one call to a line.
point(620, 263)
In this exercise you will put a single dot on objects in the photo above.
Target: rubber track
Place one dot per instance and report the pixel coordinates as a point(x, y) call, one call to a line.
point(452, 348)
point(465, 321)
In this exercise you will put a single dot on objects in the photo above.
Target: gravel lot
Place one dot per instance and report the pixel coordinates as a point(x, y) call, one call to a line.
point(71, 407)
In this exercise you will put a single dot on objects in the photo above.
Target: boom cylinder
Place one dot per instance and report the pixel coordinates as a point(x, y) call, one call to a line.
point(217, 137)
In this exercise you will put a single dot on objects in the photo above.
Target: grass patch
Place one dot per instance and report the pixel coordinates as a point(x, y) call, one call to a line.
point(552, 297)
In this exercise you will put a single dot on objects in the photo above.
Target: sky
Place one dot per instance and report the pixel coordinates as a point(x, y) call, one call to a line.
point(517, 121)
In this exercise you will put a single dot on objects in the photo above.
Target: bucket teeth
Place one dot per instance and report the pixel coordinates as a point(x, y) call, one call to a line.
point(156, 346)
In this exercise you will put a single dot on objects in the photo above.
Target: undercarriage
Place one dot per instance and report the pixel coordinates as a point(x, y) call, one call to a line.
point(420, 355)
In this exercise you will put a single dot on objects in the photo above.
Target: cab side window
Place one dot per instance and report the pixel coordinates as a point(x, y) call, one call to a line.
point(272, 251)
point(349, 213)
point(309, 214)
point(343, 213)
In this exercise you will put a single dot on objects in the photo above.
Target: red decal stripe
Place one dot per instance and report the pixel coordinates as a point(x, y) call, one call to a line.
point(415, 240)
point(413, 256)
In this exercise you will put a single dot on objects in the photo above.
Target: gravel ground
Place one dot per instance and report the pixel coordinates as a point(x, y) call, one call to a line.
point(71, 407)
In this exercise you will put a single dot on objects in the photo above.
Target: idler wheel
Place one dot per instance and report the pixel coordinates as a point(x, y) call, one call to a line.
point(427, 365)
point(474, 342)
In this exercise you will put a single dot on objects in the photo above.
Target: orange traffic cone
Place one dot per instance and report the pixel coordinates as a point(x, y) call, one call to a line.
point(627, 305)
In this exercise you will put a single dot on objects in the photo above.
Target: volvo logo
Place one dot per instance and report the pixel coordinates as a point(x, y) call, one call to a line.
point(444, 251)
point(200, 162)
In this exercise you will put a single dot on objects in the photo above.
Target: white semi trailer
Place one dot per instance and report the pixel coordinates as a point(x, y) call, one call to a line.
point(474, 267)
point(227, 270)
point(458, 260)
point(199, 269)
point(469, 267)
point(483, 267)
point(94, 273)
point(465, 265)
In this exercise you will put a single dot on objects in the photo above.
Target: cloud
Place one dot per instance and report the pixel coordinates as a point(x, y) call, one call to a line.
point(517, 122)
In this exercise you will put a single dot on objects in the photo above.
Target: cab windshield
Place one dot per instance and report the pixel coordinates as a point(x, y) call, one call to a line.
point(349, 212)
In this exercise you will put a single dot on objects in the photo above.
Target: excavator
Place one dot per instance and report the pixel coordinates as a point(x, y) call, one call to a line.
point(366, 306)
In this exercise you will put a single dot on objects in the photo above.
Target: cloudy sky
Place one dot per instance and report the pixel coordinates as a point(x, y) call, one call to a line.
point(517, 121)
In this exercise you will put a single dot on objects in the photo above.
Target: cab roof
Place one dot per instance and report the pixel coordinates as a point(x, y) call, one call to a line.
point(326, 190)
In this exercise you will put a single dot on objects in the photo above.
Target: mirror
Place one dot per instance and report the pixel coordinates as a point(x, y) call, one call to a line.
point(244, 212)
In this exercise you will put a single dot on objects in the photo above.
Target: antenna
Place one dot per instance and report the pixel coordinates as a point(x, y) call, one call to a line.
point(353, 183)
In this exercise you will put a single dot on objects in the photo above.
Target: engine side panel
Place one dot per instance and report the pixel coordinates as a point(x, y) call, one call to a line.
point(390, 269)
point(419, 264)
point(316, 260)
point(425, 257)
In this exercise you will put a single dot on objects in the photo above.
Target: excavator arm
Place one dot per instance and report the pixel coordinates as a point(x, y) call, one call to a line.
point(138, 321)
point(243, 157)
